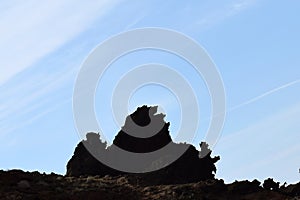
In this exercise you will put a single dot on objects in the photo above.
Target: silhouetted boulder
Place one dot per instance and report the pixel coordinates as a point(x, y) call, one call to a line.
point(151, 134)
point(84, 163)
point(142, 117)
point(270, 184)
point(244, 187)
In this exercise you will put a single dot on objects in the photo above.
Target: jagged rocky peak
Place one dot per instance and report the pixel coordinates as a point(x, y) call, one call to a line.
point(94, 139)
point(145, 131)
point(144, 115)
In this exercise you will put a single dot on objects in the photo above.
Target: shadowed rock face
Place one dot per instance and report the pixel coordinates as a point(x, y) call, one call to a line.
point(153, 136)
point(126, 139)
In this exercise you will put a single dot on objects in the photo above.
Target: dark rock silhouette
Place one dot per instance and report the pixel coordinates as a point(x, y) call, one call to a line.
point(189, 167)
point(142, 117)
point(87, 178)
point(245, 187)
point(291, 190)
point(83, 162)
point(270, 184)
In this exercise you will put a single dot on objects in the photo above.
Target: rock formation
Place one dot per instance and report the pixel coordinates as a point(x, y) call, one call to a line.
point(189, 167)
point(87, 178)
point(270, 184)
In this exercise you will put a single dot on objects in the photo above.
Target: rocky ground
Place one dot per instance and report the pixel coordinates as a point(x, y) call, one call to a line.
point(16, 184)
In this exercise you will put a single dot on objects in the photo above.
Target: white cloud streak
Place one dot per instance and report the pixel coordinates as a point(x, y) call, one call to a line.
point(26, 103)
point(15, 102)
point(32, 29)
point(225, 12)
point(264, 95)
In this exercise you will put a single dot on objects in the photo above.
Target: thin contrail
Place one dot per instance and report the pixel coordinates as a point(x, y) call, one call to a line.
point(263, 95)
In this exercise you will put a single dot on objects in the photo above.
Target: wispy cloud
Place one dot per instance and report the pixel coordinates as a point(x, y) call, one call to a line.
point(9, 129)
point(241, 5)
point(269, 141)
point(224, 12)
point(32, 29)
point(264, 95)
point(280, 155)
point(25, 103)
point(135, 22)
point(23, 93)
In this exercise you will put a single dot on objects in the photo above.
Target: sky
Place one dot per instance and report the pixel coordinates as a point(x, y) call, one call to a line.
point(254, 44)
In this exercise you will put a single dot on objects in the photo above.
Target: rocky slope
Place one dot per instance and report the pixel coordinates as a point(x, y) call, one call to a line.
point(17, 184)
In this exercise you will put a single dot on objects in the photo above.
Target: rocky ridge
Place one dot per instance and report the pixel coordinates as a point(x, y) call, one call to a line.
point(19, 185)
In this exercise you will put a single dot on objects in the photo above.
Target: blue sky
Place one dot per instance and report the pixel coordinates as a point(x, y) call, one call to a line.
point(254, 43)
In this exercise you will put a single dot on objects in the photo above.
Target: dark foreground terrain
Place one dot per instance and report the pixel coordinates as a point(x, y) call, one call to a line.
point(16, 184)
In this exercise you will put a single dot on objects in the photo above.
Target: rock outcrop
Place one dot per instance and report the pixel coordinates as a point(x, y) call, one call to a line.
point(270, 184)
point(189, 167)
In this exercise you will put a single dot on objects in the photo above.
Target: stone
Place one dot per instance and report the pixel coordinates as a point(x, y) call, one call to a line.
point(24, 184)
point(270, 184)
point(191, 166)
point(43, 183)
